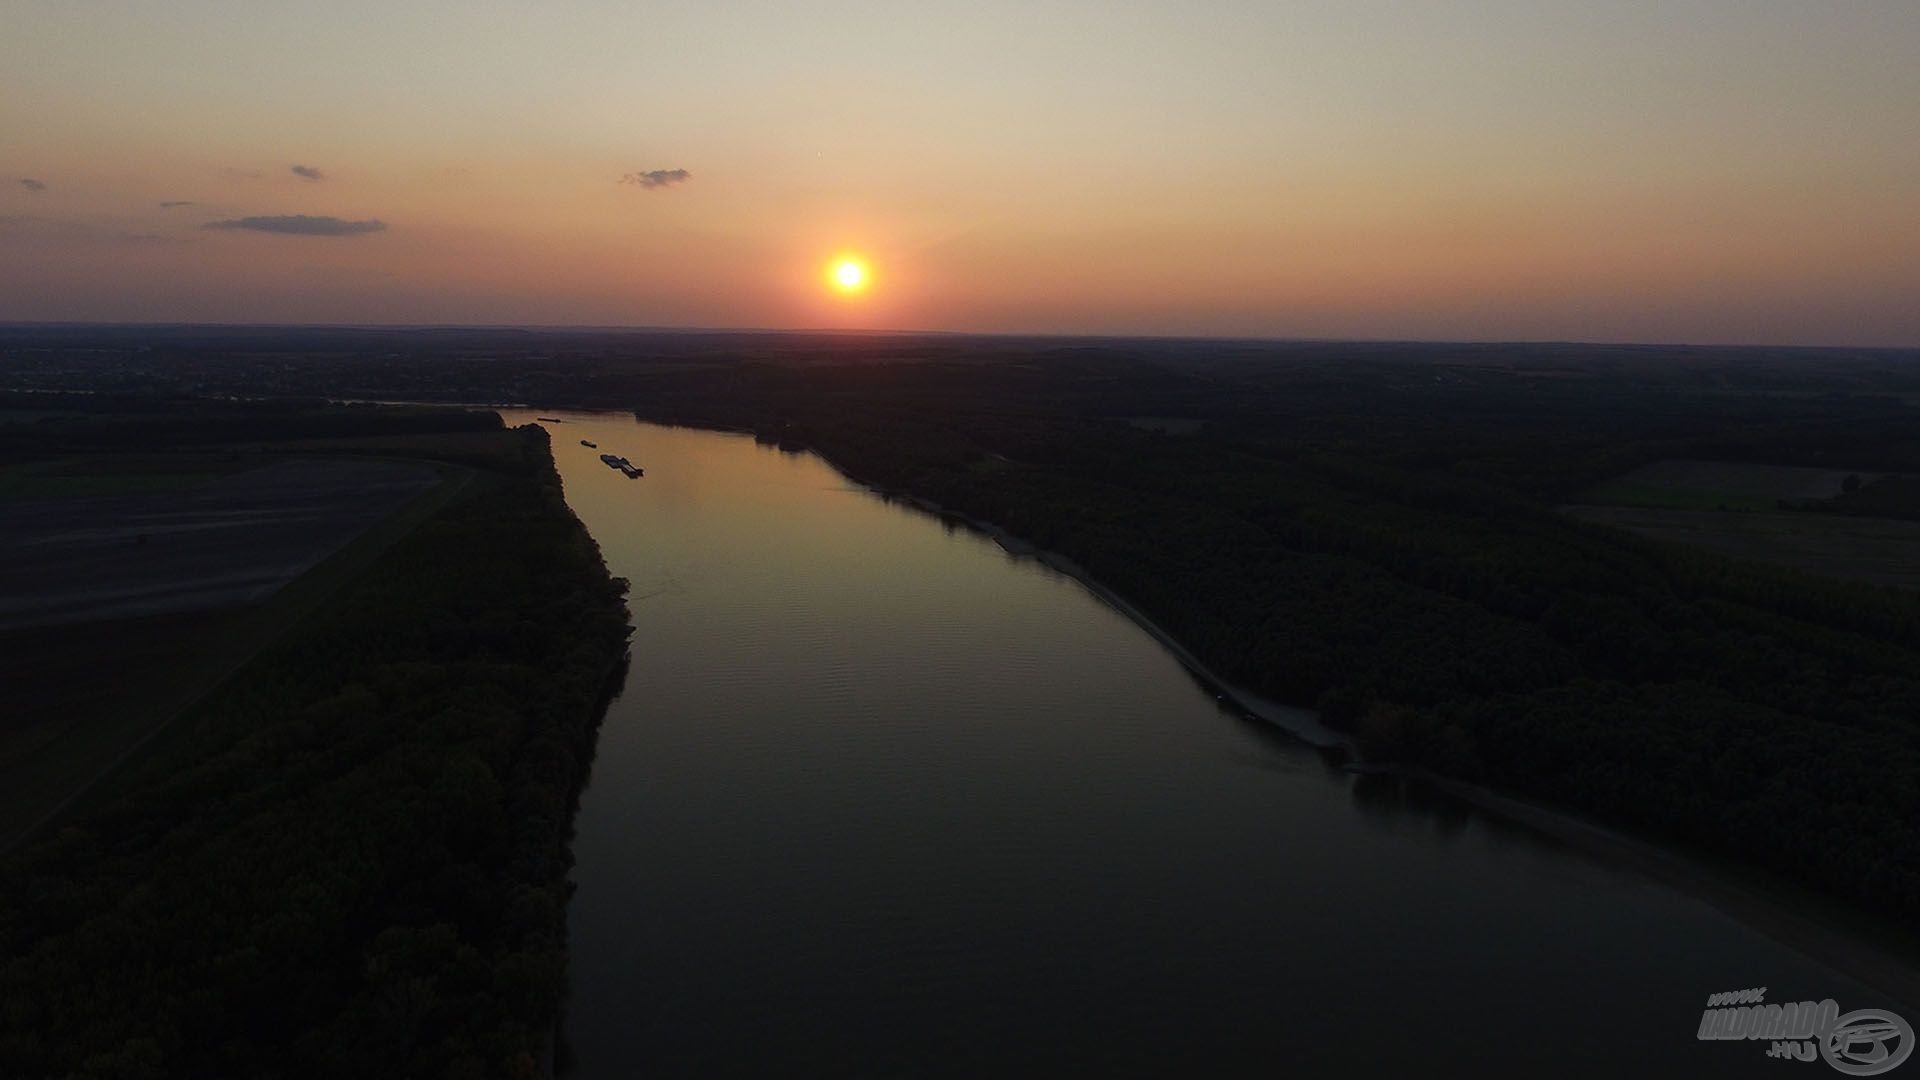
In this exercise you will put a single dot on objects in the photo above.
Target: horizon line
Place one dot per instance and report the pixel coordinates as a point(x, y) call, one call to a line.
point(583, 328)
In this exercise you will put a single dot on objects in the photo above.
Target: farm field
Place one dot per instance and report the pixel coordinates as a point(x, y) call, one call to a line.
point(1842, 531)
point(1874, 550)
point(1719, 485)
point(1896, 496)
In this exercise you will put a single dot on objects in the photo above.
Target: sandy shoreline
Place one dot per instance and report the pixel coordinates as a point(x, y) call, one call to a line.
point(1855, 951)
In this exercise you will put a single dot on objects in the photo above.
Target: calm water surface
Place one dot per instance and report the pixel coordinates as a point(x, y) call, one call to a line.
point(879, 797)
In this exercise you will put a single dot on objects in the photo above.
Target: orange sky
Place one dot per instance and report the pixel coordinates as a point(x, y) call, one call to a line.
point(1710, 171)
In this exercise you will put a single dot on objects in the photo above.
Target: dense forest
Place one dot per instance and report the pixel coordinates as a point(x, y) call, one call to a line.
point(352, 859)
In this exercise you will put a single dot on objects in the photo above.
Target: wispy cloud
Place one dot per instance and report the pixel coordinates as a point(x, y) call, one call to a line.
point(31, 184)
point(656, 178)
point(24, 227)
point(172, 203)
point(301, 225)
point(308, 172)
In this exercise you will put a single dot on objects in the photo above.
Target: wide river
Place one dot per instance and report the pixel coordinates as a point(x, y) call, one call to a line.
point(879, 797)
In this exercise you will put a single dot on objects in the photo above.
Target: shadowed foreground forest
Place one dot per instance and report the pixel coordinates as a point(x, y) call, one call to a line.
point(351, 859)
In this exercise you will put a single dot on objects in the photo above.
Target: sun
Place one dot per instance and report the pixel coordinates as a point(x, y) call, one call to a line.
point(848, 274)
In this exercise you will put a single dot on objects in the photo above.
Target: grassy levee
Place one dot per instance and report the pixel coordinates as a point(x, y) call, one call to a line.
point(351, 858)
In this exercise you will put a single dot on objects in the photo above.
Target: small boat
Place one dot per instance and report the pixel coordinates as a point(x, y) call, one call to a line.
point(589, 444)
point(549, 419)
point(632, 471)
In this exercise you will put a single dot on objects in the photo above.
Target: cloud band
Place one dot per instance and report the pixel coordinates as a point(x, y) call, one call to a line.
point(301, 225)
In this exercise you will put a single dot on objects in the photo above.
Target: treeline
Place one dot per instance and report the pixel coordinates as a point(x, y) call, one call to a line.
point(1388, 551)
point(352, 861)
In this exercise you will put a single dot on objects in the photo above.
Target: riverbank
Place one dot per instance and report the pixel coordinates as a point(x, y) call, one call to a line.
point(1800, 921)
point(1301, 723)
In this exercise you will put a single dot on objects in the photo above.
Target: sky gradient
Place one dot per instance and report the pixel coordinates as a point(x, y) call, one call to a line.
point(1733, 171)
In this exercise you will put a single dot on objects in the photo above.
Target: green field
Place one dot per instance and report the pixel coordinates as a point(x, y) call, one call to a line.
point(1866, 549)
point(1889, 496)
point(1832, 522)
point(1717, 485)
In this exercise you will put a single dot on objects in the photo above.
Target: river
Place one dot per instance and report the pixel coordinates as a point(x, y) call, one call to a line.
point(878, 796)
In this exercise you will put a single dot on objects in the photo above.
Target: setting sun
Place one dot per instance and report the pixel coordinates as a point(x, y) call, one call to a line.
point(848, 275)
